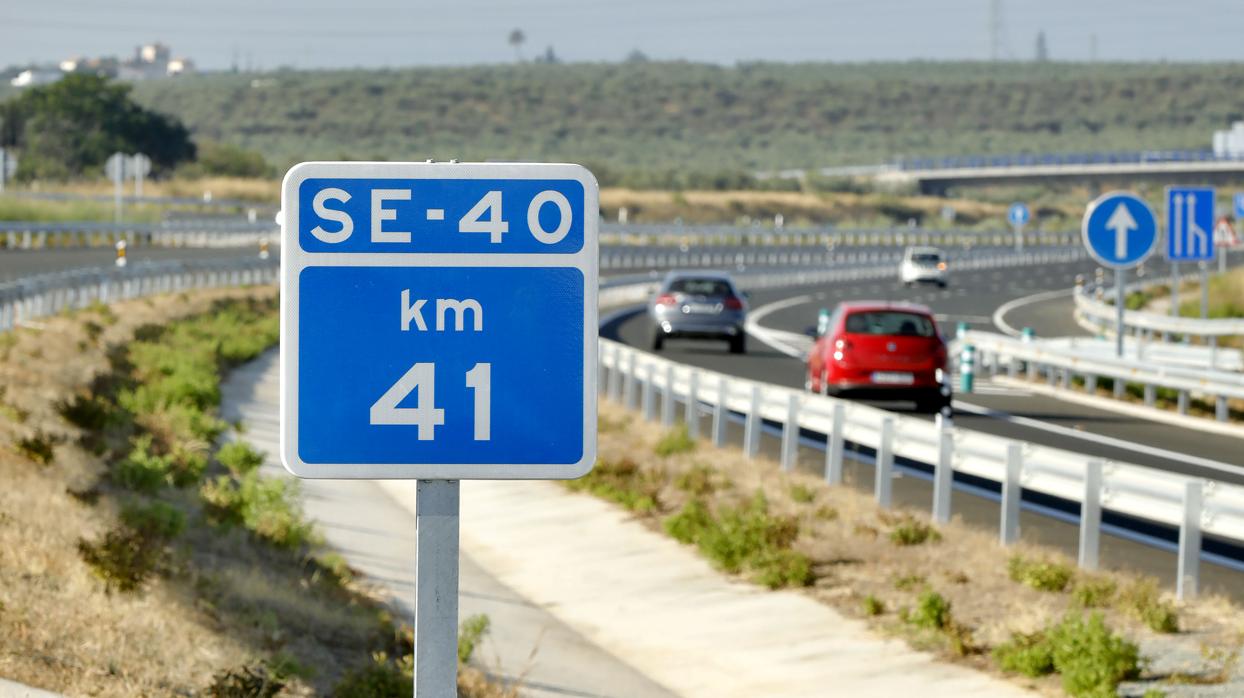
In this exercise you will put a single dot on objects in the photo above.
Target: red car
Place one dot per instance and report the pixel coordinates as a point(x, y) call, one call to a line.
point(877, 350)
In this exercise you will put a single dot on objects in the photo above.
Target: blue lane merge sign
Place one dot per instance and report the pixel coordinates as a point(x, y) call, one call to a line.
point(439, 320)
point(1238, 200)
point(1019, 214)
point(1119, 230)
point(1189, 224)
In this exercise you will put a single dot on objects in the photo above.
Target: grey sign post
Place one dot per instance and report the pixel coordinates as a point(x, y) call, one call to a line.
point(439, 323)
point(8, 166)
point(140, 167)
point(116, 168)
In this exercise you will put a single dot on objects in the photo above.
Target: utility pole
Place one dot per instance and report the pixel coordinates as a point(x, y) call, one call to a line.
point(1043, 50)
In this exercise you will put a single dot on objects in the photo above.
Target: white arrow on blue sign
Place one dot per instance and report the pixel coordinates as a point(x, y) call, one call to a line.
point(1119, 230)
point(1189, 224)
point(438, 320)
point(1238, 199)
point(1019, 214)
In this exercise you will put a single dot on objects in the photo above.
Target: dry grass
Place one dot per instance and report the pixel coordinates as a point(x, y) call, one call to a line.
point(265, 191)
point(224, 601)
point(848, 539)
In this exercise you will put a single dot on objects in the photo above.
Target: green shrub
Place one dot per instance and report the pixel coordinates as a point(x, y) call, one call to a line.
point(675, 441)
point(801, 493)
point(912, 531)
point(239, 457)
point(873, 606)
point(470, 632)
point(697, 481)
point(380, 678)
point(37, 448)
point(932, 612)
point(142, 470)
point(826, 513)
point(1044, 575)
point(130, 553)
point(89, 412)
point(1143, 600)
point(267, 508)
point(1093, 592)
point(252, 681)
point(1091, 659)
point(1028, 654)
point(745, 538)
point(909, 581)
point(622, 482)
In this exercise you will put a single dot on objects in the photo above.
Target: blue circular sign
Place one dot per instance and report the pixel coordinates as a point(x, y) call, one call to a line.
point(1019, 214)
point(1119, 230)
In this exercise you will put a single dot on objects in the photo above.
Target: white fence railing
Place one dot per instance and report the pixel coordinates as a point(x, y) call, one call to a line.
point(997, 354)
point(1195, 506)
point(23, 235)
point(47, 294)
point(825, 236)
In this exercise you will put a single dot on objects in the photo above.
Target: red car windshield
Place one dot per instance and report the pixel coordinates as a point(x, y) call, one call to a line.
point(890, 322)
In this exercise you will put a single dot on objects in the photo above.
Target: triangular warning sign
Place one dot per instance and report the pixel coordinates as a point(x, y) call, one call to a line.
point(1224, 233)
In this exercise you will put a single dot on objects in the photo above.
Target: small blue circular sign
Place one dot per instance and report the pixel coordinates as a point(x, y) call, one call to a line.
point(1119, 230)
point(1019, 213)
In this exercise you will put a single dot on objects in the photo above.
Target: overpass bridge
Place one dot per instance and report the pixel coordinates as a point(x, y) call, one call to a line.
point(937, 175)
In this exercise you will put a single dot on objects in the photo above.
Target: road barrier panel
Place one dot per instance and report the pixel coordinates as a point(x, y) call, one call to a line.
point(944, 468)
point(693, 406)
point(790, 432)
point(1012, 491)
point(1188, 581)
point(1090, 517)
point(884, 486)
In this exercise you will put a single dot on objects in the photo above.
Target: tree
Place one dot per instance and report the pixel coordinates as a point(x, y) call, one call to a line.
point(70, 128)
point(517, 37)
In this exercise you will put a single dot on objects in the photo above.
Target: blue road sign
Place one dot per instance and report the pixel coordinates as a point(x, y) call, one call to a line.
point(1018, 214)
point(438, 320)
point(1238, 199)
point(1189, 224)
point(1119, 230)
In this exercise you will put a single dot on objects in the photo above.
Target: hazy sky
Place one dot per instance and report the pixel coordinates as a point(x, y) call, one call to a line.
point(338, 33)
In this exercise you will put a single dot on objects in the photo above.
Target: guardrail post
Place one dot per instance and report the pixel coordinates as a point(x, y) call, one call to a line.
point(1090, 516)
point(667, 397)
point(790, 434)
point(751, 431)
point(834, 444)
point(693, 404)
point(1090, 384)
point(884, 485)
point(650, 376)
point(944, 469)
point(1151, 395)
point(1119, 386)
point(1183, 402)
point(1190, 542)
point(615, 375)
point(967, 359)
point(628, 388)
point(720, 411)
point(1010, 493)
point(1220, 408)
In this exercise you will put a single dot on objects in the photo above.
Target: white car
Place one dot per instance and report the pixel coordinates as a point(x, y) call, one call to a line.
point(923, 265)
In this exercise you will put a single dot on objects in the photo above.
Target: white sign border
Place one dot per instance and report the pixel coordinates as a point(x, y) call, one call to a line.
point(1084, 230)
point(294, 259)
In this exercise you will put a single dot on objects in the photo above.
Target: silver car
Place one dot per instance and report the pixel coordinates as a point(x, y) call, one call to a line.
point(699, 305)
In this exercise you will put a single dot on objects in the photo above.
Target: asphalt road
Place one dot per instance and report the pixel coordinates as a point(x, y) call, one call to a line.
point(1010, 413)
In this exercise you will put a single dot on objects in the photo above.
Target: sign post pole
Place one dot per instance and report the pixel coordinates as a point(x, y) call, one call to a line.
point(1120, 303)
point(1204, 290)
point(1174, 289)
point(436, 588)
point(1018, 215)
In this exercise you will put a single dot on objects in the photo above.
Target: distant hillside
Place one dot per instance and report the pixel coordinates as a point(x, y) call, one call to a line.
point(646, 117)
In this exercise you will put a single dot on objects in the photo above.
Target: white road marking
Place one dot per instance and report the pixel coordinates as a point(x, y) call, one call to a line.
point(1110, 441)
point(999, 315)
point(792, 344)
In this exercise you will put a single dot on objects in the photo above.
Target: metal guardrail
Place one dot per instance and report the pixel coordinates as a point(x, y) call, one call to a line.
point(824, 236)
point(1034, 159)
point(47, 294)
point(27, 235)
point(1090, 304)
point(1192, 505)
point(998, 354)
